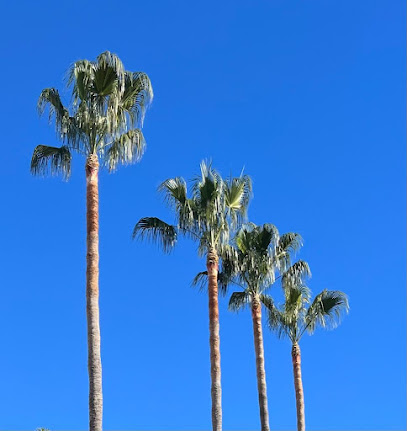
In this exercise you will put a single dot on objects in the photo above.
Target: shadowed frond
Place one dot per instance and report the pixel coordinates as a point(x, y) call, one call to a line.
point(326, 310)
point(108, 75)
point(267, 301)
point(295, 275)
point(154, 229)
point(290, 242)
point(127, 148)
point(51, 160)
point(239, 300)
point(50, 98)
point(275, 320)
point(200, 280)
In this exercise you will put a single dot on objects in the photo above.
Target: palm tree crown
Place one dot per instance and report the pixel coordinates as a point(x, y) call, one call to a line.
point(215, 208)
point(298, 315)
point(259, 252)
point(105, 117)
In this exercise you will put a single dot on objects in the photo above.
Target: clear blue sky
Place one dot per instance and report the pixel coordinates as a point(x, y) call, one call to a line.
point(308, 96)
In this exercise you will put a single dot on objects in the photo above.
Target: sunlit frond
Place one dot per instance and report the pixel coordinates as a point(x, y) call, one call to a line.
point(238, 192)
point(51, 160)
point(239, 300)
point(156, 230)
point(175, 191)
point(137, 96)
point(127, 148)
point(326, 310)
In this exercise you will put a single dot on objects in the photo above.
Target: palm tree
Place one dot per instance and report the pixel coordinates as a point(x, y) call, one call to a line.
point(214, 209)
point(104, 124)
point(298, 315)
point(258, 253)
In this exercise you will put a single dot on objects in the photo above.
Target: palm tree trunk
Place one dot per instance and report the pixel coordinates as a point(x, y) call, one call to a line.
point(92, 294)
point(214, 342)
point(299, 393)
point(260, 369)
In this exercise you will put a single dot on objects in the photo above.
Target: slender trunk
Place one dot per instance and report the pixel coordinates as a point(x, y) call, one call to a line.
point(260, 369)
point(92, 294)
point(216, 390)
point(299, 393)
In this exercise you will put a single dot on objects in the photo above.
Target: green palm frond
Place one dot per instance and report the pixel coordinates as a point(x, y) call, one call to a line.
point(156, 230)
point(239, 300)
point(51, 160)
point(137, 96)
point(296, 274)
point(127, 148)
point(108, 75)
point(276, 320)
point(290, 242)
point(224, 282)
point(238, 192)
point(50, 98)
point(175, 191)
point(80, 76)
point(287, 245)
point(326, 310)
point(200, 280)
point(267, 301)
point(296, 297)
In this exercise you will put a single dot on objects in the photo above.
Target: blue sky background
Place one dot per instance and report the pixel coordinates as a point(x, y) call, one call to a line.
point(308, 96)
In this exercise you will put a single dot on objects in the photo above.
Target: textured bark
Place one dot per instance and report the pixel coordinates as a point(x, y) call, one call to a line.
point(214, 342)
point(92, 294)
point(260, 369)
point(299, 393)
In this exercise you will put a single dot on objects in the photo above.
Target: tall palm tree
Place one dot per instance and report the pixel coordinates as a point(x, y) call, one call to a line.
point(298, 315)
point(104, 124)
point(259, 252)
point(215, 208)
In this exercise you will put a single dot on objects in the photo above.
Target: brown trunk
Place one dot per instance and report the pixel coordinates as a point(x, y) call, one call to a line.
point(260, 369)
point(92, 294)
point(299, 393)
point(216, 390)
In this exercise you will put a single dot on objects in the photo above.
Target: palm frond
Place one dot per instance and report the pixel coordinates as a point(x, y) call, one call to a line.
point(224, 280)
point(295, 275)
point(51, 160)
point(275, 320)
point(326, 310)
point(288, 244)
point(174, 190)
point(108, 76)
point(239, 300)
point(152, 228)
point(238, 192)
point(127, 148)
point(267, 301)
point(80, 76)
point(50, 98)
point(137, 96)
point(200, 280)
